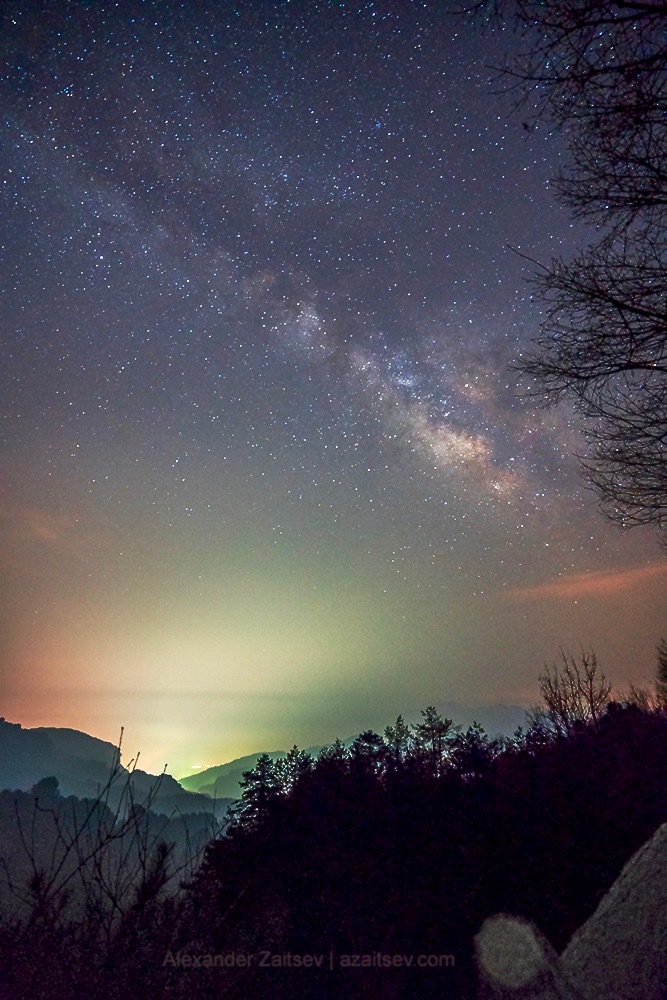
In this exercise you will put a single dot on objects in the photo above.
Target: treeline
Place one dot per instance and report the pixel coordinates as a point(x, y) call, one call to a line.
point(393, 849)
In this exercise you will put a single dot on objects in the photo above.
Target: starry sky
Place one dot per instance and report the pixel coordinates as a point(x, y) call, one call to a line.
point(268, 475)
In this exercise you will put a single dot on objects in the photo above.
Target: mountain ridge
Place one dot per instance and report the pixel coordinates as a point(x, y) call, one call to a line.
point(223, 779)
point(83, 766)
point(82, 763)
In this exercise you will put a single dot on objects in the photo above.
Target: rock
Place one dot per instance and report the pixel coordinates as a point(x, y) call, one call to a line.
point(620, 953)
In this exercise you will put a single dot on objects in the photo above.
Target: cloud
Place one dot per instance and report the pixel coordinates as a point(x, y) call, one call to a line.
point(63, 532)
point(601, 584)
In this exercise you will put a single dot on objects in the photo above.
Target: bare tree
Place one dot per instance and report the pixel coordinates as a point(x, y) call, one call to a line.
point(573, 692)
point(597, 72)
point(93, 860)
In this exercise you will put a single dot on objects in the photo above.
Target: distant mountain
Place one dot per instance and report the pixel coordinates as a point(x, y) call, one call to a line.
point(497, 720)
point(222, 780)
point(82, 764)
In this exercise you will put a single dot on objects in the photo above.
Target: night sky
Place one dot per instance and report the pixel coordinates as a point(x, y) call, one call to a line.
point(267, 476)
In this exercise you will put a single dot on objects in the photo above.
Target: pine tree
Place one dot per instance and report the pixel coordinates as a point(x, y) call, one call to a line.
point(431, 738)
point(261, 787)
point(398, 739)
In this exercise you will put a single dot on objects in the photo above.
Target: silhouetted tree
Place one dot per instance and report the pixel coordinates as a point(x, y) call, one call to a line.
point(398, 742)
point(572, 692)
point(367, 753)
point(362, 850)
point(472, 752)
point(431, 738)
point(261, 786)
point(291, 768)
point(598, 73)
point(94, 890)
point(337, 753)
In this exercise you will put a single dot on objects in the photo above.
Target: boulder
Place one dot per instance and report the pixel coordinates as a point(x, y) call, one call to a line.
point(620, 953)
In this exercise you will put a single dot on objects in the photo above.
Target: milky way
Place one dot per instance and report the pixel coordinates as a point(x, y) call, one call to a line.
point(268, 472)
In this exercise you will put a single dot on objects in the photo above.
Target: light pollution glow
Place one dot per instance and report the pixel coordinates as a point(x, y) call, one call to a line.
point(268, 477)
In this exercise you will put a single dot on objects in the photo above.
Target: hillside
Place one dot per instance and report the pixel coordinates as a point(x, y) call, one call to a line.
point(82, 765)
point(222, 780)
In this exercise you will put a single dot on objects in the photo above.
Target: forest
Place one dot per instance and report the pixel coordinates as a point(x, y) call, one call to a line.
point(364, 872)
